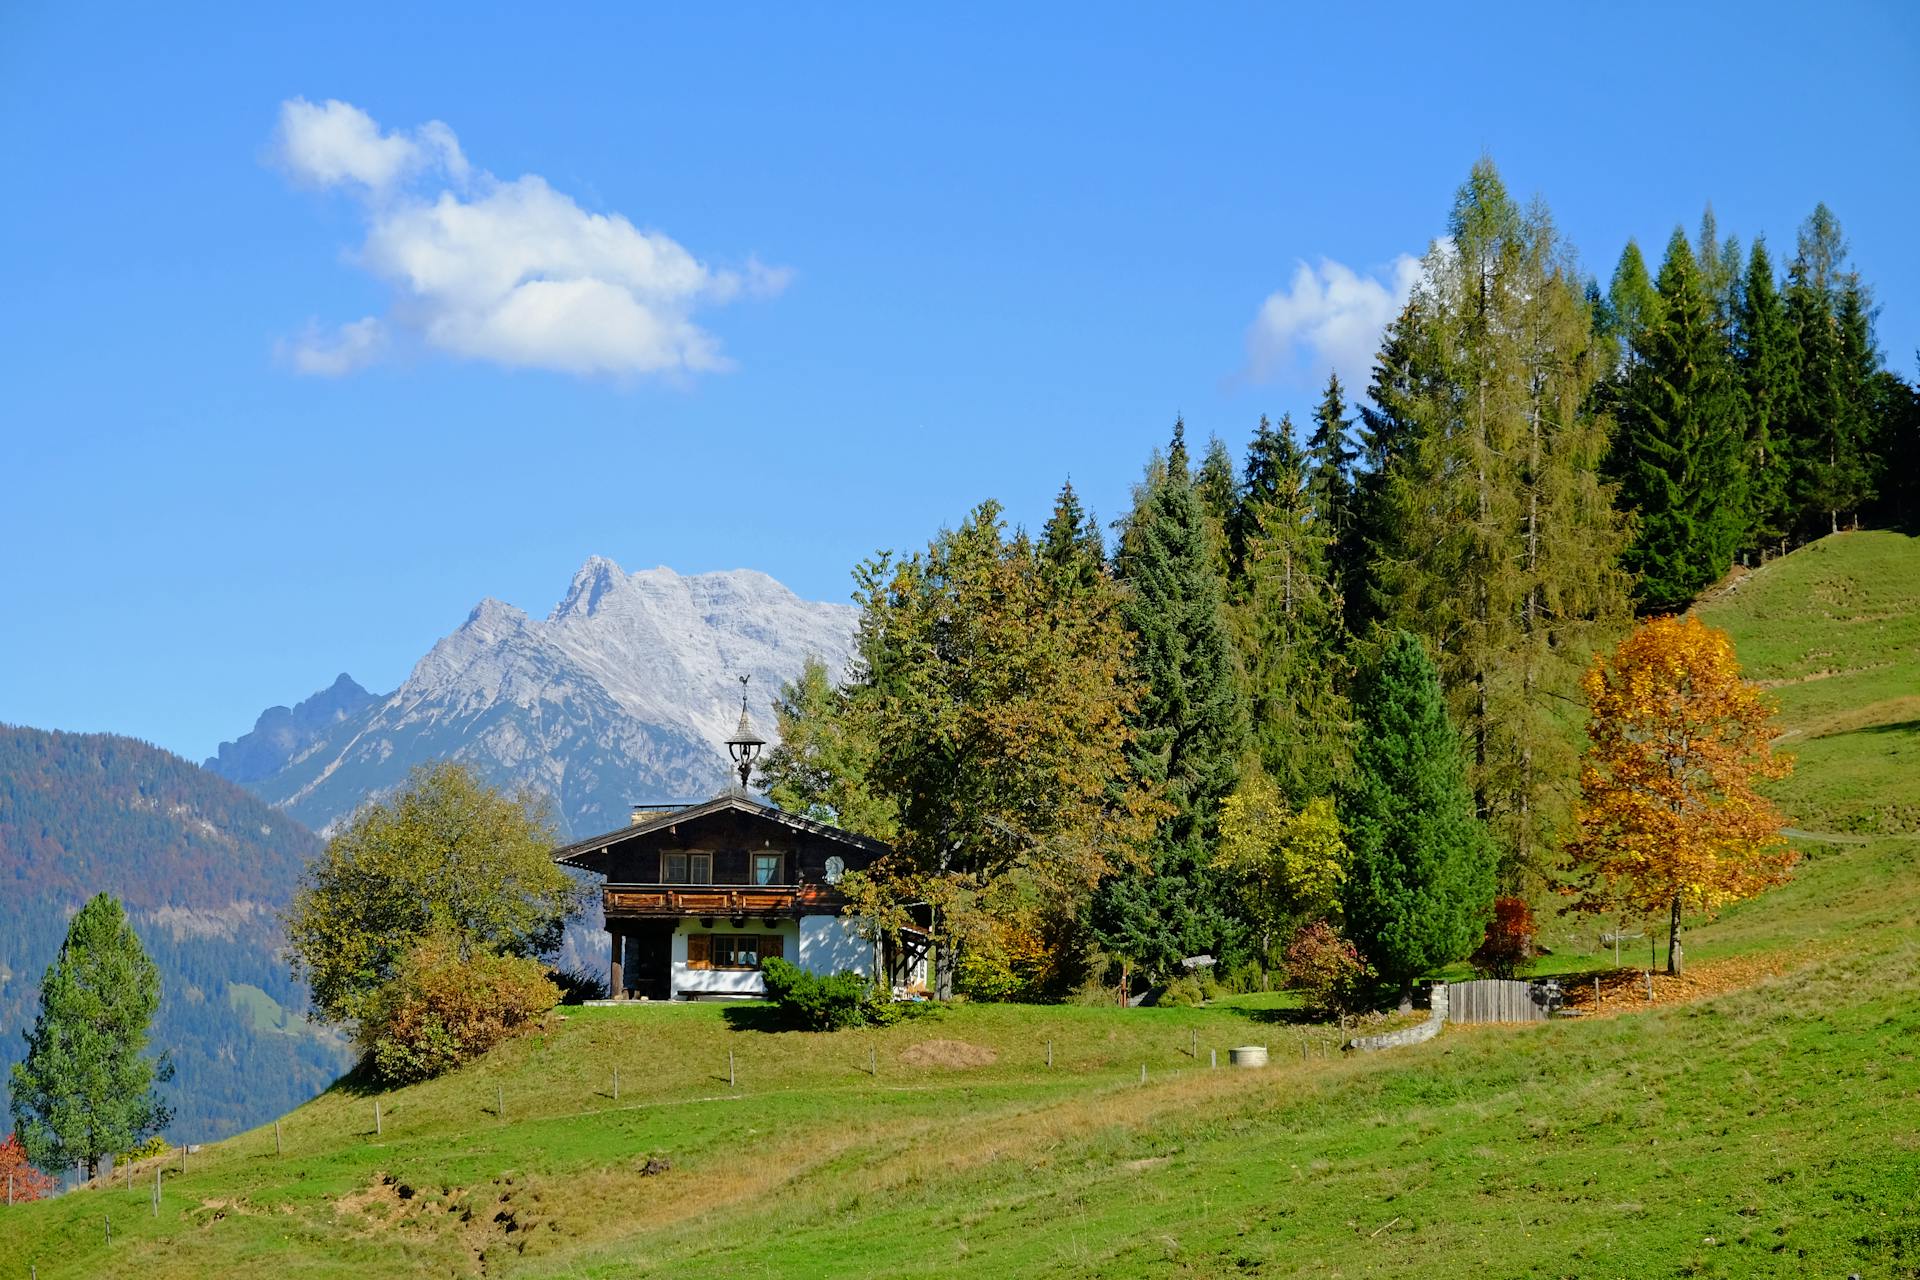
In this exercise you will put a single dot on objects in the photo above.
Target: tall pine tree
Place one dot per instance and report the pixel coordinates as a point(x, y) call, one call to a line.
point(1678, 451)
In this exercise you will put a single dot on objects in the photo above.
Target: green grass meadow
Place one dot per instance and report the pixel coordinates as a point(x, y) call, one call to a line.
point(1769, 1131)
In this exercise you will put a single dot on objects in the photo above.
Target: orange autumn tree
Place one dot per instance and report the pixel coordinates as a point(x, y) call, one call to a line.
point(1669, 819)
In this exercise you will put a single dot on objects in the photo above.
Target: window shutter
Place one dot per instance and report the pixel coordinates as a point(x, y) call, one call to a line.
point(771, 948)
point(697, 952)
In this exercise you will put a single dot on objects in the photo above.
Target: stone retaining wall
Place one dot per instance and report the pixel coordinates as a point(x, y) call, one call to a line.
point(1436, 1019)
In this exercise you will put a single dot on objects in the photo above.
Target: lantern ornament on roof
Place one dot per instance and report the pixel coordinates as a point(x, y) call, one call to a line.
point(745, 745)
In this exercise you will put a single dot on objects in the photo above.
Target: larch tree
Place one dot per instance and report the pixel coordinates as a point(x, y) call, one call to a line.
point(1670, 820)
point(1502, 541)
point(823, 764)
point(1678, 450)
point(86, 1088)
point(1420, 883)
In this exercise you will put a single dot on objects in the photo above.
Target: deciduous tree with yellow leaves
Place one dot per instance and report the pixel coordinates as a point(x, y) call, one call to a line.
point(1669, 818)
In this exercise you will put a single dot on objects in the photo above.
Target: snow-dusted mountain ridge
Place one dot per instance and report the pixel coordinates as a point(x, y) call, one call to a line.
point(622, 695)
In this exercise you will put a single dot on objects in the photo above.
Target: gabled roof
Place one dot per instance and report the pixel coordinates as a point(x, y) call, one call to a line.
point(733, 802)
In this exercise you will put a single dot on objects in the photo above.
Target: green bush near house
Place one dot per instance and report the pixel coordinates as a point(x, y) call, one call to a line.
point(820, 1003)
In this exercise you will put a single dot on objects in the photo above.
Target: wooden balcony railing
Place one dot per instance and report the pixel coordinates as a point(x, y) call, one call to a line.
point(630, 900)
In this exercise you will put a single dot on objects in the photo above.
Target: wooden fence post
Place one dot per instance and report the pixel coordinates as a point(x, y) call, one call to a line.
point(500, 1101)
point(873, 1061)
point(376, 1117)
point(276, 1139)
point(1049, 1055)
point(1213, 1058)
point(730, 1083)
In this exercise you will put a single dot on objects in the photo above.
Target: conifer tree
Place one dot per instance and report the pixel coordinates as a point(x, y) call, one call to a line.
point(1288, 626)
point(1191, 721)
point(1213, 485)
point(1825, 421)
point(1678, 449)
point(1632, 306)
point(1071, 540)
point(1386, 437)
point(1259, 489)
point(86, 1089)
point(1501, 543)
point(1189, 724)
point(1764, 352)
point(1421, 880)
point(1330, 481)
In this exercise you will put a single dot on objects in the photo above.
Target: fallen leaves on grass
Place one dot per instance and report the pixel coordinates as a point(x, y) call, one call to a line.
point(1625, 990)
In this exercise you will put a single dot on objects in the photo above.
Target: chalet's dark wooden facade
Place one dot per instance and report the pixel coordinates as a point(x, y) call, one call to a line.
point(696, 897)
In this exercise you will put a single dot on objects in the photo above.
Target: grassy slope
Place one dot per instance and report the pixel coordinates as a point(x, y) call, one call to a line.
point(1768, 1132)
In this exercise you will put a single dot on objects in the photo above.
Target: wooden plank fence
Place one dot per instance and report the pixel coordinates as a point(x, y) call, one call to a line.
point(1501, 1000)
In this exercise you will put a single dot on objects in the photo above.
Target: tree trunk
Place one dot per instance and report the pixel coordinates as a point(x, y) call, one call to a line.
point(943, 959)
point(1406, 995)
point(1675, 960)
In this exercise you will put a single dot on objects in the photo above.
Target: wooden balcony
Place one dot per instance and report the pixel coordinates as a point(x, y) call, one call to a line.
point(673, 901)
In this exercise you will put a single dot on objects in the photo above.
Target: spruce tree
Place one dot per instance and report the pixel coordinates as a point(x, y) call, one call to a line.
point(1330, 481)
point(1288, 627)
point(1421, 881)
point(1400, 382)
point(1191, 721)
point(1678, 449)
point(1825, 421)
point(1071, 541)
point(1764, 352)
point(86, 1089)
point(1189, 725)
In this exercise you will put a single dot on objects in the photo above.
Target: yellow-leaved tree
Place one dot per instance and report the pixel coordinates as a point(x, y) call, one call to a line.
point(1290, 863)
point(1669, 820)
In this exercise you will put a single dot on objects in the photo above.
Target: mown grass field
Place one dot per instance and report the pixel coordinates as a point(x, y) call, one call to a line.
point(1769, 1131)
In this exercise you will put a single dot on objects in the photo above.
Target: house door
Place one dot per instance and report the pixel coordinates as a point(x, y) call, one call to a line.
point(652, 960)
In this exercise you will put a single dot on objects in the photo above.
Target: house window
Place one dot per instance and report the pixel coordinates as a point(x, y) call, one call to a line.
point(732, 950)
point(767, 868)
point(686, 868)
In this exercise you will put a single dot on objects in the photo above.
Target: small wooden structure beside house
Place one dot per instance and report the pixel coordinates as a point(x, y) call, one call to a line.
point(697, 896)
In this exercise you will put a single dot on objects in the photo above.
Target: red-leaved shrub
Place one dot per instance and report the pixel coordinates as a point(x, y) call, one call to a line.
point(23, 1180)
point(1508, 946)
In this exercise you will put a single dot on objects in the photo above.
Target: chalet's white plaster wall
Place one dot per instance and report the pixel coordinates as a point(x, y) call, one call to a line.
point(832, 944)
point(726, 982)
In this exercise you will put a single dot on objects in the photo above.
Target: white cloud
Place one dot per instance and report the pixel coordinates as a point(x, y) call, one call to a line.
point(1329, 317)
point(512, 272)
point(351, 346)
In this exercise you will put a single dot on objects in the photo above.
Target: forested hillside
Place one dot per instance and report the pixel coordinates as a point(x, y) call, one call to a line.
point(203, 867)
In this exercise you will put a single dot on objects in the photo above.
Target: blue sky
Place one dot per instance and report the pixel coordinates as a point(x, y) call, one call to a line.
point(274, 404)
